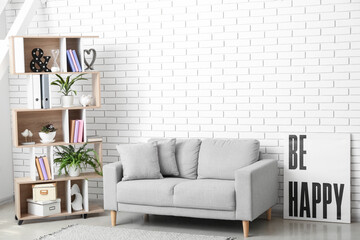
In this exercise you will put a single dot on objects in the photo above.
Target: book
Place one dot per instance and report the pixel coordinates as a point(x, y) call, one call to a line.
point(81, 131)
point(43, 170)
point(77, 61)
point(94, 138)
point(45, 91)
point(72, 131)
point(70, 61)
point(73, 60)
point(41, 176)
point(76, 131)
point(47, 167)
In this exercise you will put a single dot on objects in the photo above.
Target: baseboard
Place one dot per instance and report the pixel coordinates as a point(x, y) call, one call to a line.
point(6, 200)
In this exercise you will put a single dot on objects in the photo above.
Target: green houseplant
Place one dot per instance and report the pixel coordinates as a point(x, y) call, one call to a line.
point(47, 133)
point(72, 161)
point(65, 88)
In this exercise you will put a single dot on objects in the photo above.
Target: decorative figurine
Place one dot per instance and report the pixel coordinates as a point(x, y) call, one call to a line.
point(85, 100)
point(27, 133)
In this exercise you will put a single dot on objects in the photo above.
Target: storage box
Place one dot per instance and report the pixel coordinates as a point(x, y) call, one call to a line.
point(44, 208)
point(44, 192)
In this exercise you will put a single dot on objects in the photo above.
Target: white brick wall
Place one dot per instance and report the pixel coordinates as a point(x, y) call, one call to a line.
point(215, 68)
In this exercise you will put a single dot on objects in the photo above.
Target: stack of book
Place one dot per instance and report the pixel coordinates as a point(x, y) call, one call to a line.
point(77, 131)
point(43, 168)
point(73, 61)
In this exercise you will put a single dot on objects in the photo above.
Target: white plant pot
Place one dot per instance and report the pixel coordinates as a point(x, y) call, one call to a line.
point(47, 137)
point(67, 101)
point(73, 171)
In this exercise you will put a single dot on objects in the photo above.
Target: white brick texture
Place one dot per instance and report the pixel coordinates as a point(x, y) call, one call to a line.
point(222, 68)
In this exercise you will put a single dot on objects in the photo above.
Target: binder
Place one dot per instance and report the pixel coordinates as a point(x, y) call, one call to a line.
point(30, 93)
point(36, 92)
point(45, 91)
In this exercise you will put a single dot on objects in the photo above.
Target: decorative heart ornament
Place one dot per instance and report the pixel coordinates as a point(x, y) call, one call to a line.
point(88, 52)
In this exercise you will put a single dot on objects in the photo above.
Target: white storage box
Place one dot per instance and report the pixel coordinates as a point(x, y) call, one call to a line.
point(45, 208)
point(44, 192)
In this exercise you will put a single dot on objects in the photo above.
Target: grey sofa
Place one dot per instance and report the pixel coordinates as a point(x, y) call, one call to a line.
point(218, 179)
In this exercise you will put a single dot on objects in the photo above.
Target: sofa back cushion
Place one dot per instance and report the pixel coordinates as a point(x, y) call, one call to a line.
point(167, 160)
point(187, 154)
point(220, 158)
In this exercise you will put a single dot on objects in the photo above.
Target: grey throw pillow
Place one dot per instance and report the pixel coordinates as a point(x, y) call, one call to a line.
point(167, 160)
point(140, 161)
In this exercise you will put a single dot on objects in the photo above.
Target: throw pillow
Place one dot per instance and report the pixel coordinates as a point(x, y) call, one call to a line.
point(187, 153)
point(140, 161)
point(167, 160)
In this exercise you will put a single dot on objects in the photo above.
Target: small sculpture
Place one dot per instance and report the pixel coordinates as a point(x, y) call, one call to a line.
point(37, 60)
point(85, 100)
point(88, 51)
point(27, 133)
point(77, 203)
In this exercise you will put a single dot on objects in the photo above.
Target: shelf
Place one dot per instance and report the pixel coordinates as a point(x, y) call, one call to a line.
point(94, 208)
point(57, 108)
point(47, 36)
point(27, 180)
point(55, 144)
point(47, 73)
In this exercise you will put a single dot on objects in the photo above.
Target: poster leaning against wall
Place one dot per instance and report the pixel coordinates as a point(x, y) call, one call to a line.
point(317, 177)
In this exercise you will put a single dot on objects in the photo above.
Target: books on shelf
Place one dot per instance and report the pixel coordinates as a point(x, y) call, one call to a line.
point(77, 131)
point(73, 61)
point(43, 168)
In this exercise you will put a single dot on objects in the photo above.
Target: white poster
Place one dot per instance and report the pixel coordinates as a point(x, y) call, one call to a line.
point(317, 177)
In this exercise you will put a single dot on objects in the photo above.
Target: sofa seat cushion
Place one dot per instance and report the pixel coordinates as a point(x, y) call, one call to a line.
point(220, 158)
point(205, 194)
point(154, 192)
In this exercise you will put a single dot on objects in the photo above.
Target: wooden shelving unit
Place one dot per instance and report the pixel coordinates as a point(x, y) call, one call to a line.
point(60, 117)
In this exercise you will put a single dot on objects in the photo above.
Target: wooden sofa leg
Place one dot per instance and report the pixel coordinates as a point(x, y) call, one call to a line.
point(113, 218)
point(246, 228)
point(146, 217)
point(268, 214)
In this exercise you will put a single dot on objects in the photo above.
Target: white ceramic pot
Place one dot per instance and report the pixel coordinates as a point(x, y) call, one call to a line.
point(47, 137)
point(74, 171)
point(67, 101)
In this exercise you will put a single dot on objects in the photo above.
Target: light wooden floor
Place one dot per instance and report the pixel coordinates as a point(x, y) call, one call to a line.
point(260, 229)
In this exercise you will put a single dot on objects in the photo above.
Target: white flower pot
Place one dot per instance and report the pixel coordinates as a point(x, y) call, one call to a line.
point(47, 137)
point(74, 171)
point(67, 101)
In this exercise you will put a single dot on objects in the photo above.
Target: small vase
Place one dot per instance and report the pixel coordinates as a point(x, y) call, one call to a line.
point(74, 171)
point(67, 101)
point(47, 137)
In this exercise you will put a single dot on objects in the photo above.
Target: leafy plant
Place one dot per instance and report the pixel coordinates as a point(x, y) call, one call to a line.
point(48, 128)
point(65, 85)
point(81, 158)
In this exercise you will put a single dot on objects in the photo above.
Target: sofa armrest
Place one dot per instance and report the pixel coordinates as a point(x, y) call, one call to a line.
point(256, 188)
point(112, 175)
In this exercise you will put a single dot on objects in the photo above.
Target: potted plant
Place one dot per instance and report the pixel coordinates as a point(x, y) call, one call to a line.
point(47, 133)
point(72, 161)
point(65, 88)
